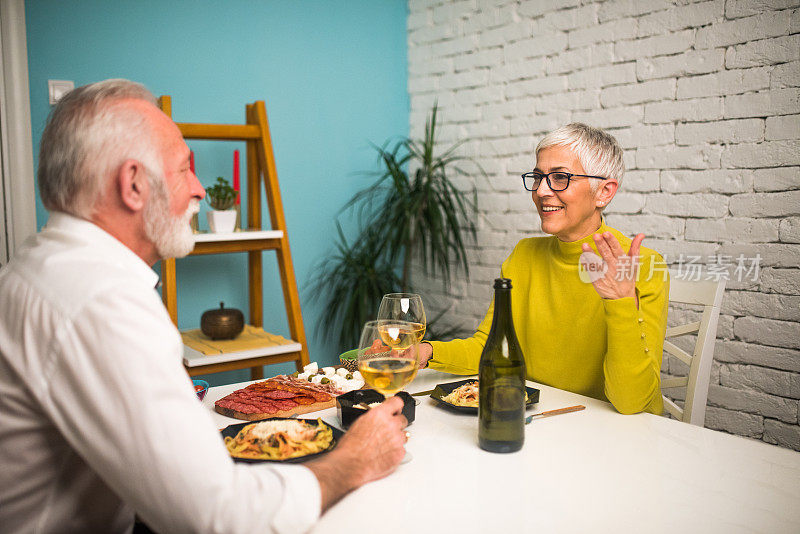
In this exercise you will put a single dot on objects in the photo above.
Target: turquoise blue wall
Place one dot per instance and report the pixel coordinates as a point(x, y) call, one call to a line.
point(332, 74)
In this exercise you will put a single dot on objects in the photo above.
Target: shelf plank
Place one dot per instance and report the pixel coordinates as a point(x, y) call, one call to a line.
point(244, 235)
point(254, 342)
point(254, 364)
point(229, 132)
point(246, 241)
point(194, 358)
point(225, 247)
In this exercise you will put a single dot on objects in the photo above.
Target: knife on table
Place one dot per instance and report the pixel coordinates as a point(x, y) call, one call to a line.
point(551, 413)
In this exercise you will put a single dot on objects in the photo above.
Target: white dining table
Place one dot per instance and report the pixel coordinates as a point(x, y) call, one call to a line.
point(588, 471)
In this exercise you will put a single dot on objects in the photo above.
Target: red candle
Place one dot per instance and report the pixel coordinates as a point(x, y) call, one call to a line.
point(236, 174)
point(191, 161)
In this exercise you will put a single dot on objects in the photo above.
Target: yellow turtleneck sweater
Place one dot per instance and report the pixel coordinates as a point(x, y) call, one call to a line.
point(571, 337)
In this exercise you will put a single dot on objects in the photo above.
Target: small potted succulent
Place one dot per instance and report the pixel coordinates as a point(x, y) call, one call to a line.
point(221, 197)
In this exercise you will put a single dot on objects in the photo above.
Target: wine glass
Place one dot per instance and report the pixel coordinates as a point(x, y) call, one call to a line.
point(388, 355)
point(404, 307)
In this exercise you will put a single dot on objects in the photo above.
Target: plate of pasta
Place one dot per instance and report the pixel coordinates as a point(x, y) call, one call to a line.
point(280, 440)
point(462, 396)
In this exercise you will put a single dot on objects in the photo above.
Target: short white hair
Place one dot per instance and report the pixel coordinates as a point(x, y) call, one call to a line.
point(87, 137)
point(597, 150)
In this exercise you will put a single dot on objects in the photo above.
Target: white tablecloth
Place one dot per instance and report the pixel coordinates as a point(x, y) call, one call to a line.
point(588, 471)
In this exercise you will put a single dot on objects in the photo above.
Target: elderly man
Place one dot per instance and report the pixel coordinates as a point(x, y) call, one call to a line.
point(99, 420)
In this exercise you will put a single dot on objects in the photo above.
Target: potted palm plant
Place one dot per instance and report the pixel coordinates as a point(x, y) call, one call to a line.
point(412, 209)
point(221, 197)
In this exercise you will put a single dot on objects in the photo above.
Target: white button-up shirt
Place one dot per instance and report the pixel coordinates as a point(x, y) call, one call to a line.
point(98, 418)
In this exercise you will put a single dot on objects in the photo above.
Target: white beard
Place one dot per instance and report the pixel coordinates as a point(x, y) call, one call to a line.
point(171, 235)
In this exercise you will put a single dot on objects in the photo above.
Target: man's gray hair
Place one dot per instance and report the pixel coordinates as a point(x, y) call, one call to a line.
point(87, 137)
point(598, 151)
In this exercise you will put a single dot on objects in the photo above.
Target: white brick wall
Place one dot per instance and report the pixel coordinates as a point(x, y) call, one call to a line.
point(705, 98)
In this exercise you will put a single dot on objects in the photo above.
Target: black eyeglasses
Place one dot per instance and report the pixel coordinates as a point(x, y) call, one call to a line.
point(557, 181)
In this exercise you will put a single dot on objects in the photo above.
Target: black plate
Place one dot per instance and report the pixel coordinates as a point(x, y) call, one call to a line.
point(231, 431)
point(443, 390)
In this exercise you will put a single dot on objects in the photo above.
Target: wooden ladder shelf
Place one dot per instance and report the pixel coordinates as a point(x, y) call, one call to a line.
point(254, 240)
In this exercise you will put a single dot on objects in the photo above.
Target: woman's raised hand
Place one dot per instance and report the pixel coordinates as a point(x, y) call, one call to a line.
point(619, 279)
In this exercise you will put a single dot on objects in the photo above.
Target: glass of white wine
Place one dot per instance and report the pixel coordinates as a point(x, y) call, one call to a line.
point(405, 307)
point(388, 355)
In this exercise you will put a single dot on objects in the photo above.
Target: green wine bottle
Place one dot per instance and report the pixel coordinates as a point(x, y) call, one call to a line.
point(501, 380)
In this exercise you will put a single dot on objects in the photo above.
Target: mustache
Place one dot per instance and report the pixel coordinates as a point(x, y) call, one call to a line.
point(194, 207)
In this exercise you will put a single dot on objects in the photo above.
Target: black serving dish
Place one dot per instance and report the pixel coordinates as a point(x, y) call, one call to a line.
point(443, 390)
point(348, 412)
point(232, 430)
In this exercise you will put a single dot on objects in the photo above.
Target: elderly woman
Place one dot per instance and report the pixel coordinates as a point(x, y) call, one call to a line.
point(600, 337)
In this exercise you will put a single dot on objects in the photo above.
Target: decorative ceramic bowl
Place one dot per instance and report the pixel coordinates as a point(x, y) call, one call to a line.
point(349, 411)
point(201, 388)
point(349, 360)
point(222, 323)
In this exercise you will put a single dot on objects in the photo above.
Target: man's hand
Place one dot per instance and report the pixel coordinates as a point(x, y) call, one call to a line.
point(619, 280)
point(371, 449)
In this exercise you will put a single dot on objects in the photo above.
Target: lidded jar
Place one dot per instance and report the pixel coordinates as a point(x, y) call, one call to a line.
point(222, 323)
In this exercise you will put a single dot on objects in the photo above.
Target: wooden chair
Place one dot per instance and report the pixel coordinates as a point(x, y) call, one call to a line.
point(709, 295)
